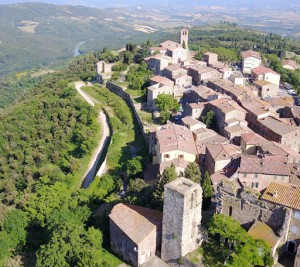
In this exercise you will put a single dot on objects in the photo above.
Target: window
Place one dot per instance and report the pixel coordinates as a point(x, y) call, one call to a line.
point(297, 214)
point(245, 175)
point(256, 175)
point(254, 185)
point(180, 156)
point(166, 156)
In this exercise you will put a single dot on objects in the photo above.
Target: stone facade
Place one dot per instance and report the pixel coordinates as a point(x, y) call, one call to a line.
point(181, 219)
point(246, 208)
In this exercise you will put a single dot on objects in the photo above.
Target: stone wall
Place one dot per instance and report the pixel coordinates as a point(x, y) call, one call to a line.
point(127, 98)
point(246, 208)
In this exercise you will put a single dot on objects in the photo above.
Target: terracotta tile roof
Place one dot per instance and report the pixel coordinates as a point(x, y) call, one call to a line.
point(189, 121)
point(250, 53)
point(261, 70)
point(175, 137)
point(223, 152)
point(261, 83)
point(162, 80)
point(226, 105)
point(174, 67)
point(255, 106)
point(136, 222)
point(271, 165)
point(284, 194)
point(237, 129)
point(277, 126)
point(260, 230)
point(254, 139)
point(164, 88)
point(156, 48)
point(210, 54)
point(289, 62)
point(200, 105)
point(280, 101)
point(168, 43)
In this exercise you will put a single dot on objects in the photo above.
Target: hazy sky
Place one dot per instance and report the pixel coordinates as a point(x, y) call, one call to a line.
point(285, 4)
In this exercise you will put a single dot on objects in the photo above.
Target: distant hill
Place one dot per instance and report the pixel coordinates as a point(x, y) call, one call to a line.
point(36, 34)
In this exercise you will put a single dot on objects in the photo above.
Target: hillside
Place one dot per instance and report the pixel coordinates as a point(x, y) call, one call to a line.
point(35, 35)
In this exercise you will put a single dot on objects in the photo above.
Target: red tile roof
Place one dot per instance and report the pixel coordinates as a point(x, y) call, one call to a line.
point(162, 80)
point(136, 222)
point(261, 70)
point(250, 53)
point(289, 62)
point(175, 137)
point(284, 194)
point(223, 151)
point(270, 165)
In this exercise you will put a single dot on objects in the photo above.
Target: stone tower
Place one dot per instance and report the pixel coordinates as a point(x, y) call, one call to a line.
point(181, 219)
point(184, 36)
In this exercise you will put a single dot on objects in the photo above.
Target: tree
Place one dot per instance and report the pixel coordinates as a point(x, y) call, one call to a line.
point(164, 116)
point(239, 248)
point(133, 167)
point(166, 102)
point(192, 172)
point(210, 120)
point(138, 192)
point(206, 185)
point(168, 175)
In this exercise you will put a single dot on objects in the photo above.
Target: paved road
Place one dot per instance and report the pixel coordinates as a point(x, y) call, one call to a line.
point(92, 167)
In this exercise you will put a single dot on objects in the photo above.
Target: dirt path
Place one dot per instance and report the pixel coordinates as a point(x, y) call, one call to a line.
point(92, 167)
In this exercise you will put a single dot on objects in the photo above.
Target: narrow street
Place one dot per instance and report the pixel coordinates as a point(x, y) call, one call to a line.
point(92, 166)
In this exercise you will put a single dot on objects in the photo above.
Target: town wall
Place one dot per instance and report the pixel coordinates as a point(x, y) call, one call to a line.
point(126, 97)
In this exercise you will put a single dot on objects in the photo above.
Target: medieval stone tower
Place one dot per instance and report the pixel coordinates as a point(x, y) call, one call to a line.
point(184, 37)
point(181, 219)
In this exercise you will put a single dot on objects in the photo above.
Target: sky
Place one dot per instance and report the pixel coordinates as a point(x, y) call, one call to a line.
point(104, 3)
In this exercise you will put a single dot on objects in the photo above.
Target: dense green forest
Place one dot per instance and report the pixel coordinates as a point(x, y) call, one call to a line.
point(46, 139)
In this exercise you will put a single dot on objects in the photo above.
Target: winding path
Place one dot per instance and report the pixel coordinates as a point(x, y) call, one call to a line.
point(102, 119)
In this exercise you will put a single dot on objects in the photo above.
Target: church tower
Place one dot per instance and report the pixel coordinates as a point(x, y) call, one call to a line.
point(181, 219)
point(184, 38)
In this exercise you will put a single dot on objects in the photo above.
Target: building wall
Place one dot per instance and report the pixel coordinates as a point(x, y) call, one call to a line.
point(147, 248)
point(183, 81)
point(294, 227)
point(268, 90)
point(122, 245)
point(175, 154)
point(250, 63)
point(247, 211)
point(181, 222)
point(263, 180)
point(272, 78)
point(213, 166)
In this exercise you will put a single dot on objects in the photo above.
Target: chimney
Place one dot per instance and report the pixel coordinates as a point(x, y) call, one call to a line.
point(275, 194)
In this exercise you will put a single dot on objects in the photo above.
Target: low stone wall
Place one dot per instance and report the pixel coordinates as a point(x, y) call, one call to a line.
point(118, 90)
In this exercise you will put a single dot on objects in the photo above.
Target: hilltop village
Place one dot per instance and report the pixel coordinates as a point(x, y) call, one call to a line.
point(240, 124)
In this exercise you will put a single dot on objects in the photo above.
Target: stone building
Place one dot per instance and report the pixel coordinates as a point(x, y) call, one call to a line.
point(274, 129)
point(181, 219)
point(220, 156)
point(266, 89)
point(278, 208)
point(227, 113)
point(246, 208)
point(287, 196)
point(202, 74)
point(266, 74)
point(135, 233)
